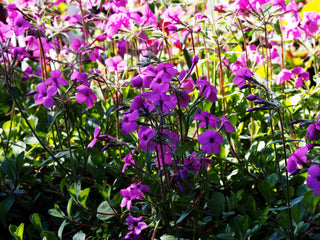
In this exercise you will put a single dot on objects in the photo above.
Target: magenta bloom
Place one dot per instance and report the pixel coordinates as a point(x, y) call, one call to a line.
point(210, 141)
point(20, 25)
point(146, 138)
point(310, 23)
point(206, 119)
point(161, 82)
point(128, 161)
point(208, 91)
point(284, 75)
point(56, 79)
point(312, 131)
point(301, 76)
point(116, 64)
point(80, 77)
point(313, 180)
point(85, 94)
point(136, 224)
point(128, 196)
point(164, 102)
point(45, 95)
point(95, 137)
point(297, 159)
point(129, 123)
point(227, 125)
point(242, 76)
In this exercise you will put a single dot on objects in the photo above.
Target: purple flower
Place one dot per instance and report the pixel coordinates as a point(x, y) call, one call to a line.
point(20, 25)
point(297, 159)
point(128, 161)
point(137, 82)
point(76, 44)
point(313, 180)
point(312, 130)
point(188, 85)
point(45, 95)
point(242, 76)
point(56, 80)
point(129, 123)
point(80, 77)
point(206, 119)
point(85, 94)
point(161, 82)
point(209, 91)
point(227, 125)
point(136, 224)
point(95, 137)
point(309, 23)
point(116, 64)
point(301, 76)
point(164, 102)
point(210, 141)
point(128, 196)
point(146, 138)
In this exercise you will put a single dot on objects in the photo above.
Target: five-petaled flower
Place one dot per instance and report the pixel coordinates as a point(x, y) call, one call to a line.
point(45, 95)
point(85, 94)
point(210, 141)
point(313, 180)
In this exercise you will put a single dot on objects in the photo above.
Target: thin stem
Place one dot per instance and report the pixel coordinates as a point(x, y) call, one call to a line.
point(39, 139)
point(287, 176)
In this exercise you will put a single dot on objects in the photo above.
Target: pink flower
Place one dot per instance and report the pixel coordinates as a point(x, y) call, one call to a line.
point(45, 95)
point(95, 137)
point(116, 64)
point(56, 79)
point(85, 94)
point(20, 25)
point(301, 76)
point(284, 75)
point(310, 23)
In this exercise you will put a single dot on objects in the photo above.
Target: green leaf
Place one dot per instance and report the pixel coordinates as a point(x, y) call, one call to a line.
point(69, 207)
point(36, 221)
point(47, 235)
point(167, 237)
point(14, 92)
point(61, 228)
point(217, 203)
point(56, 212)
point(18, 147)
point(104, 207)
point(183, 216)
point(82, 198)
point(17, 232)
point(292, 203)
point(187, 146)
point(226, 236)
point(79, 236)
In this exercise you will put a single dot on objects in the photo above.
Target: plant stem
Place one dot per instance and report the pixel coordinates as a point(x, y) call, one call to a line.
point(287, 176)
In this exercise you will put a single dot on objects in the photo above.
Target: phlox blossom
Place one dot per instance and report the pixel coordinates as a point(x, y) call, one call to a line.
point(45, 95)
point(210, 141)
point(85, 94)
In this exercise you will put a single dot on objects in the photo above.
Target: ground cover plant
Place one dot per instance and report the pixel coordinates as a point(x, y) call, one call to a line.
point(159, 119)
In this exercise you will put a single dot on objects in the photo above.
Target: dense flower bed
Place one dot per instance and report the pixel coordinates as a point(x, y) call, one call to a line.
point(159, 119)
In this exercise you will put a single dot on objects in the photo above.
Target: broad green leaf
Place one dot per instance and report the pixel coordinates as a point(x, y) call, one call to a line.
point(79, 236)
point(82, 198)
point(47, 235)
point(104, 207)
point(36, 221)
